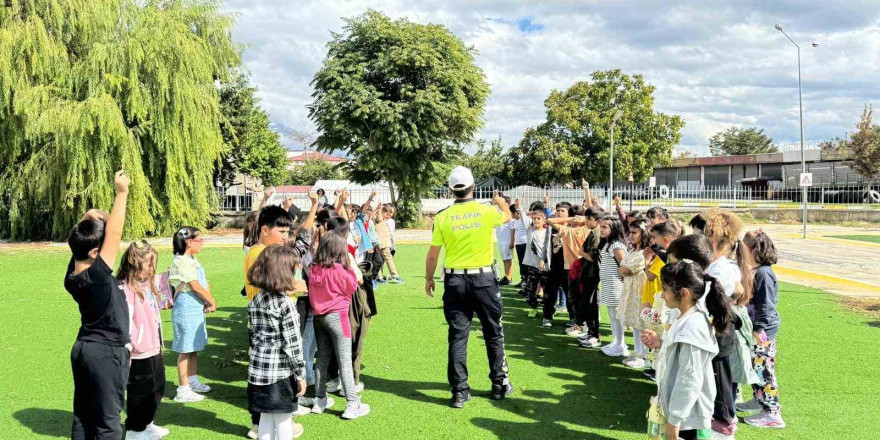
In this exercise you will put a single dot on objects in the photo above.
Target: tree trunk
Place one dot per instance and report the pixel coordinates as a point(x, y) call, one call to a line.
point(393, 195)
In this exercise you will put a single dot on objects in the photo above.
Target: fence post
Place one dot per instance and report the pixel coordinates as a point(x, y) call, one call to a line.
point(822, 201)
point(734, 197)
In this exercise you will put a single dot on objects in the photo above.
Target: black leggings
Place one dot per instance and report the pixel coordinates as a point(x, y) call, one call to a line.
point(146, 385)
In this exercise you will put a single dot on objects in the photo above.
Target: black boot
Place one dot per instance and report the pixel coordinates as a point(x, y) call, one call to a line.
point(459, 398)
point(500, 391)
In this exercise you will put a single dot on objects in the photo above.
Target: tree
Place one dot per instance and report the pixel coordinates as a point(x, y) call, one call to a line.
point(311, 171)
point(684, 154)
point(834, 145)
point(487, 161)
point(252, 147)
point(87, 88)
point(574, 141)
point(736, 142)
point(542, 159)
point(865, 145)
point(401, 99)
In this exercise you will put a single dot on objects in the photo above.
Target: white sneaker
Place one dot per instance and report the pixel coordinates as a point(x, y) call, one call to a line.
point(142, 435)
point(321, 405)
point(254, 433)
point(334, 386)
point(157, 430)
point(546, 323)
point(636, 363)
point(590, 343)
point(355, 410)
point(298, 430)
point(615, 351)
point(187, 395)
point(574, 331)
point(301, 411)
point(199, 387)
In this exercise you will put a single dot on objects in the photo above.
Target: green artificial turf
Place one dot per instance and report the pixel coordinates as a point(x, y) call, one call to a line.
point(827, 367)
point(867, 238)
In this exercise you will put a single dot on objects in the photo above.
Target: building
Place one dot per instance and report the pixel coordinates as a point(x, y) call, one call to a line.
point(297, 158)
point(829, 168)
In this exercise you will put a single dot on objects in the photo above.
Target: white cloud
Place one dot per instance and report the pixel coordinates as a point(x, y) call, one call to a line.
point(715, 65)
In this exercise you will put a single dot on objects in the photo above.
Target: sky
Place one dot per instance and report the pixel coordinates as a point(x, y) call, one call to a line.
point(716, 64)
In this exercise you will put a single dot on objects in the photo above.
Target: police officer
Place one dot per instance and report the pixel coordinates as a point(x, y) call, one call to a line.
point(466, 230)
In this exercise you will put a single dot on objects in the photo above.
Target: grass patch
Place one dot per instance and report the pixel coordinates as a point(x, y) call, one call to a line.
point(866, 238)
point(828, 388)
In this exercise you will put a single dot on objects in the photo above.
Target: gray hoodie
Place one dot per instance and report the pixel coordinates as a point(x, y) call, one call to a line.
point(687, 388)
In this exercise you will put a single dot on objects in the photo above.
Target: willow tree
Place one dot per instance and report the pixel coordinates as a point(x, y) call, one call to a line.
point(91, 86)
point(401, 99)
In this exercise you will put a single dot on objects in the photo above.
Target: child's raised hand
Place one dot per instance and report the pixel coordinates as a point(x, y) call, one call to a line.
point(268, 192)
point(313, 197)
point(584, 183)
point(617, 200)
point(122, 181)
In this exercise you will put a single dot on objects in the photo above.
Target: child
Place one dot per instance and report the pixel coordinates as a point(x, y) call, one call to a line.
point(587, 295)
point(762, 308)
point(723, 229)
point(611, 253)
point(383, 231)
point(146, 379)
point(656, 215)
point(518, 240)
point(686, 383)
point(100, 356)
point(632, 269)
point(193, 300)
point(276, 371)
point(571, 233)
point(503, 237)
point(538, 250)
point(333, 279)
point(273, 227)
point(653, 311)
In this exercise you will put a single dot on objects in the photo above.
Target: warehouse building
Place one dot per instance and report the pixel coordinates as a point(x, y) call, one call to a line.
point(829, 168)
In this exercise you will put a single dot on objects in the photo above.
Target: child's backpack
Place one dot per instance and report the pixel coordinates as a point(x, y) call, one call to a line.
point(166, 291)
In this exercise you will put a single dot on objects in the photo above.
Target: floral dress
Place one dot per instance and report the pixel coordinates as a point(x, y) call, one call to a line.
point(630, 302)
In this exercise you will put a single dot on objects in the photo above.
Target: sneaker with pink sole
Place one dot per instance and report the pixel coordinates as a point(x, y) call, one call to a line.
point(766, 419)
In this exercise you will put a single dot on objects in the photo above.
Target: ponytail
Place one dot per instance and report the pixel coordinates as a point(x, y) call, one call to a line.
point(686, 274)
point(717, 303)
point(745, 262)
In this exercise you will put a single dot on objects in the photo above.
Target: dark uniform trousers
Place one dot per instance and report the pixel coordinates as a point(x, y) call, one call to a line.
point(100, 376)
point(464, 295)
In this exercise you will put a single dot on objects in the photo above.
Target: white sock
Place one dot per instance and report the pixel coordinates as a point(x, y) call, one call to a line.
point(284, 426)
point(194, 379)
point(183, 388)
point(267, 426)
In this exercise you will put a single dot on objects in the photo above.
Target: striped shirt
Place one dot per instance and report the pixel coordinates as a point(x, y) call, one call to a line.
point(276, 344)
point(612, 285)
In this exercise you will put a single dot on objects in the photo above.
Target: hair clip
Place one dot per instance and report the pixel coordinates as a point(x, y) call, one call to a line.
point(183, 232)
point(687, 260)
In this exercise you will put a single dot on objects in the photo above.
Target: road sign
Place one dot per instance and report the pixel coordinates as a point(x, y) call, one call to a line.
point(652, 182)
point(806, 179)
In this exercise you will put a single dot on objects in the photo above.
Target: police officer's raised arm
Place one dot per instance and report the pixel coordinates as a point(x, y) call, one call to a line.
point(502, 205)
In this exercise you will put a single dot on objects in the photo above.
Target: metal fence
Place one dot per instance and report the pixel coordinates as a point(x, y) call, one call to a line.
point(636, 196)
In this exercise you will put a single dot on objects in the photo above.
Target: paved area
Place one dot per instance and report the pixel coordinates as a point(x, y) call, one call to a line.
point(843, 267)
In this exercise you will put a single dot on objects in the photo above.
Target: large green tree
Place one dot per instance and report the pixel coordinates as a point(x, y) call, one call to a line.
point(865, 145)
point(311, 171)
point(401, 99)
point(487, 161)
point(91, 86)
point(574, 141)
point(251, 146)
point(737, 141)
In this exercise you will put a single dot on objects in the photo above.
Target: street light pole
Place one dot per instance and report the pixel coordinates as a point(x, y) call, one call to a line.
point(801, 111)
point(611, 168)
